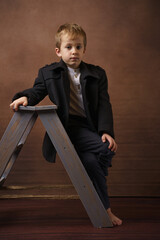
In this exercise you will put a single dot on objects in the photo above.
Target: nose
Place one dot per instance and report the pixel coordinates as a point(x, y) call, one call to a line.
point(74, 50)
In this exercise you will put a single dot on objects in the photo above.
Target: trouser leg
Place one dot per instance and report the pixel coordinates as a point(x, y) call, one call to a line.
point(95, 156)
point(96, 175)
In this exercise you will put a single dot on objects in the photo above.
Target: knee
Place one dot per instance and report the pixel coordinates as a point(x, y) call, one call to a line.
point(90, 164)
point(105, 151)
point(106, 155)
point(105, 158)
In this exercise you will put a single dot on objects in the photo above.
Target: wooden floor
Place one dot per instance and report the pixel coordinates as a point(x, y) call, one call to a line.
point(66, 219)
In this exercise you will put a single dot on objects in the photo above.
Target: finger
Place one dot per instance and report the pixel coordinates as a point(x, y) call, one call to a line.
point(114, 148)
point(15, 108)
point(25, 104)
point(111, 143)
point(103, 139)
point(12, 106)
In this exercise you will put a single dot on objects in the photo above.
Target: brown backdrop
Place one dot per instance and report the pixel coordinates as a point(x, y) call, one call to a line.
point(124, 39)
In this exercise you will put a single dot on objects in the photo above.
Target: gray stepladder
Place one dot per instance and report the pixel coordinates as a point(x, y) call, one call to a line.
point(14, 138)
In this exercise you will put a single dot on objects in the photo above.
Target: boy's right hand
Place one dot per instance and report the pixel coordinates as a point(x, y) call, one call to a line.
point(20, 101)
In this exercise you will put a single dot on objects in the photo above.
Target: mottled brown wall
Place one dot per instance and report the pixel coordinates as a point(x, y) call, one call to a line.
point(123, 38)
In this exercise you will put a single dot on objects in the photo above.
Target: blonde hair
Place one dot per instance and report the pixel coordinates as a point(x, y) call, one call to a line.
point(70, 28)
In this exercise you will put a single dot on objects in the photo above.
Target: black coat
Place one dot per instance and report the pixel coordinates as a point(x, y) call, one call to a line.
point(53, 81)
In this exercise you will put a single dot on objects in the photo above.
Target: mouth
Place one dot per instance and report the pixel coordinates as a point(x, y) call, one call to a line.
point(74, 59)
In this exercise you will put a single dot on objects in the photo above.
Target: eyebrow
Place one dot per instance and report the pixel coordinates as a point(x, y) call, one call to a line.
point(76, 43)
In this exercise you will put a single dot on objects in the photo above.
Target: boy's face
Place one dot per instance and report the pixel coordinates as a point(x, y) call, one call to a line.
point(71, 50)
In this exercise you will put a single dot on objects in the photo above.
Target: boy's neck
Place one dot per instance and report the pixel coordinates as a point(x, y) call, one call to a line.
point(74, 68)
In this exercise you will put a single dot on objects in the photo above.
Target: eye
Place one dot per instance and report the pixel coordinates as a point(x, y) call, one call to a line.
point(68, 47)
point(79, 47)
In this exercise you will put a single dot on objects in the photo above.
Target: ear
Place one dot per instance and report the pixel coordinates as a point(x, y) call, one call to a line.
point(58, 52)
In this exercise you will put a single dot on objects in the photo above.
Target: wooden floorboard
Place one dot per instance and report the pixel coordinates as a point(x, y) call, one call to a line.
point(31, 219)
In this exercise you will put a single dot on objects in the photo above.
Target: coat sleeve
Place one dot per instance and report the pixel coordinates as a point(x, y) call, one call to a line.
point(36, 93)
point(105, 115)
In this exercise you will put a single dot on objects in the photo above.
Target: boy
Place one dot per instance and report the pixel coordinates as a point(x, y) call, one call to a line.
point(81, 93)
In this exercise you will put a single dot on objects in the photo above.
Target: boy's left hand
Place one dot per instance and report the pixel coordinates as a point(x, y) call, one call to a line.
point(112, 144)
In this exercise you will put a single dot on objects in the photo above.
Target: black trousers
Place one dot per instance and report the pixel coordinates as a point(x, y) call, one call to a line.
point(94, 154)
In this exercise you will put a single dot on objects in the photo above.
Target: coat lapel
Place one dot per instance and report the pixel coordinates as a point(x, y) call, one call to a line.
point(87, 72)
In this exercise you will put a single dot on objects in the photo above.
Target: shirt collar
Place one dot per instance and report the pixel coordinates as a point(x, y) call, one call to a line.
point(73, 71)
point(85, 70)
